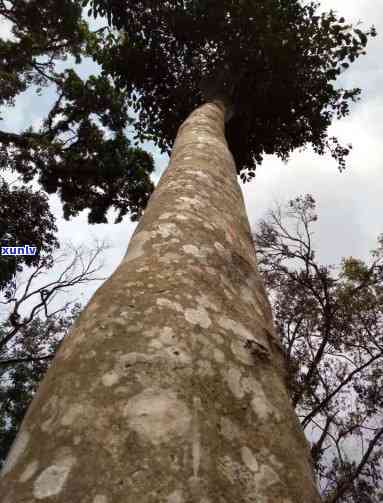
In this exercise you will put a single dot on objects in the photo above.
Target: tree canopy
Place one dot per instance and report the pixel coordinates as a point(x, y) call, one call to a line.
point(274, 63)
point(81, 150)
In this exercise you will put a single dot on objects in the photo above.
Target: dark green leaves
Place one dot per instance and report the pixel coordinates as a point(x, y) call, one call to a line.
point(279, 56)
point(81, 152)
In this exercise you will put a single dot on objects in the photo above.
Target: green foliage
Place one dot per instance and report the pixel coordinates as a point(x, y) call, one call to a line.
point(273, 62)
point(81, 151)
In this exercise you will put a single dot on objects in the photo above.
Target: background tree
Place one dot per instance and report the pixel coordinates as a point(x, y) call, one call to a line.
point(33, 324)
point(273, 63)
point(81, 150)
point(330, 320)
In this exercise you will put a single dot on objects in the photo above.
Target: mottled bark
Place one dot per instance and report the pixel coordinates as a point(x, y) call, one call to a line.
point(171, 386)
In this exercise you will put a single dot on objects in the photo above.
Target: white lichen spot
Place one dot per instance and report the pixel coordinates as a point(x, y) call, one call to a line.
point(169, 304)
point(110, 379)
point(155, 344)
point(198, 316)
point(157, 415)
point(189, 202)
point(18, 448)
point(136, 245)
point(100, 498)
point(29, 471)
point(193, 250)
point(51, 481)
point(168, 230)
point(122, 322)
point(220, 248)
point(167, 335)
point(201, 174)
point(219, 356)
point(249, 459)
point(145, 268)
point(233, 378)
point(176, 497)
point(208, 226)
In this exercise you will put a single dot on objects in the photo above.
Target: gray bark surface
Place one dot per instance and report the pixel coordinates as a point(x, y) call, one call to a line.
point(170, 388)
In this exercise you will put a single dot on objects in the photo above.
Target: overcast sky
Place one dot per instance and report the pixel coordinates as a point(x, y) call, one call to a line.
point(349, 203)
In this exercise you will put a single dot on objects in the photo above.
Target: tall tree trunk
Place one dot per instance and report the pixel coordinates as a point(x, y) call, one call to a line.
point(170, 387)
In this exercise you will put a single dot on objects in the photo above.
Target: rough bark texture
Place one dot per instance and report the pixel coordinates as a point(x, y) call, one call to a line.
point(170, 387)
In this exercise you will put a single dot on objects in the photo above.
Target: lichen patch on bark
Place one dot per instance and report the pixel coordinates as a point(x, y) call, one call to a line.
point(249, 459)
point(198, 316)
point(110, 379)
point(233, 378)
point(158, 415)
point(169, 304)
point(51, 480)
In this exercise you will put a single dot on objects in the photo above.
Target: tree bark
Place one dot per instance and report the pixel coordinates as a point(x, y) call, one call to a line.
point(170, 387)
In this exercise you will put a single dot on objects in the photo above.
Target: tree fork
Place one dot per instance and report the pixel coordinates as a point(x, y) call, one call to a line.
point(170, 387)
